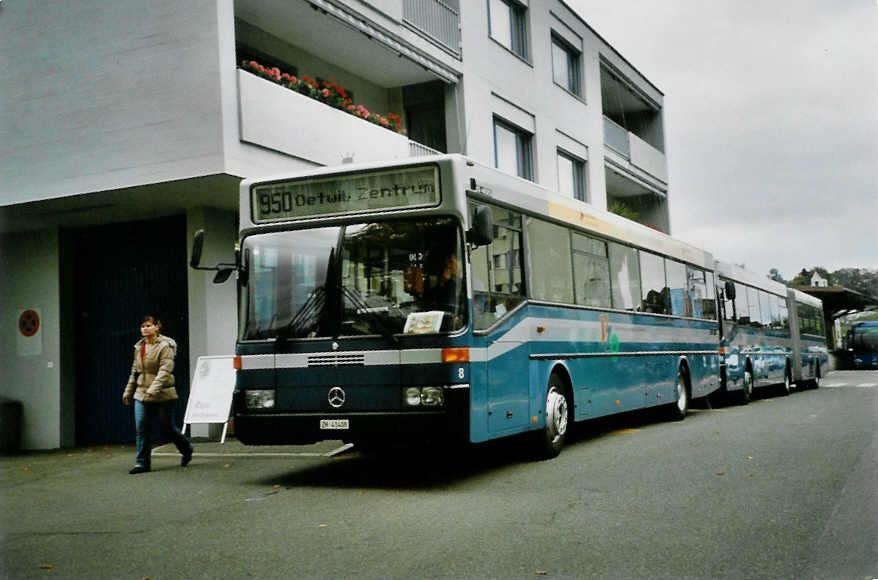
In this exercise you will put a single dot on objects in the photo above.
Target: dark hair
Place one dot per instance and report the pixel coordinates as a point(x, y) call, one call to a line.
point(153, 319)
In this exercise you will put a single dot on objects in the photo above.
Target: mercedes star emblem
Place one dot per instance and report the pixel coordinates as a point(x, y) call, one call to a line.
point(336, 397)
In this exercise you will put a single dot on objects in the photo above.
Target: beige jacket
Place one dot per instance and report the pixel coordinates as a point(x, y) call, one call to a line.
point(155, 375)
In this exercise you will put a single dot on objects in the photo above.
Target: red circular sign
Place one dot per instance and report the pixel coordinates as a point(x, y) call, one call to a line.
point(29, 322)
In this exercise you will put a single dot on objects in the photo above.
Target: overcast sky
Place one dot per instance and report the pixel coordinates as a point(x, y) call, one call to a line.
point(771, 122)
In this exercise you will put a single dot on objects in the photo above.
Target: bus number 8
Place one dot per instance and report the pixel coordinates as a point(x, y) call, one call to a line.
point(275, 202)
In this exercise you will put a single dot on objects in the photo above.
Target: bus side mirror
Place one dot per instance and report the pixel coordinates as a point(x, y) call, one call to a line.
point(222, 275)
point(197, 245)
point(730, 290)
point(223, 271)
point(482, 232)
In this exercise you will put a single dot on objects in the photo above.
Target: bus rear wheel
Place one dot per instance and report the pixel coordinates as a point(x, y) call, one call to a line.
point(815, 382)
point(551, 438)
point(677, 410)
point(787, 386)
point(747, 392)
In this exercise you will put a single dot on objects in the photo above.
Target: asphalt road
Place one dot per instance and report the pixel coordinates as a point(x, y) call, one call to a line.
point(786, 487)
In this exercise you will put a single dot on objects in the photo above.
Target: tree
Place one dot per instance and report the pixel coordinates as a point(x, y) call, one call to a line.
point(862, 280)
point(775, 275)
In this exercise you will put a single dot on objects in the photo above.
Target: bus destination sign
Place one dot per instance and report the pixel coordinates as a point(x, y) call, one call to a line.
point(401, 188)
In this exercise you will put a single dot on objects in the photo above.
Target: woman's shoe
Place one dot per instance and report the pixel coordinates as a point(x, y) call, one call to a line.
point(139, 469)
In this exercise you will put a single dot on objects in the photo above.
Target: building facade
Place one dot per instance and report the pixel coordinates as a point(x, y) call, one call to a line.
point(127, 126)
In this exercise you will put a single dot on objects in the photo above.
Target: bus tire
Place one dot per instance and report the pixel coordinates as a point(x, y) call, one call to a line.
point(747, 392)
point(786, 387)
point(677, 410)
point(551, 437)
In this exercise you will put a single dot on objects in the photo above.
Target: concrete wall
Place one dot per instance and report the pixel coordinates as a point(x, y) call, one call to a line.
point(106, 94)
point(559, 117)
point(31, 366)
point(212, 307)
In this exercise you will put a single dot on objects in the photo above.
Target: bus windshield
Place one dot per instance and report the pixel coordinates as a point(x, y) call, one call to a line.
point(375, 278)
point(865, 339)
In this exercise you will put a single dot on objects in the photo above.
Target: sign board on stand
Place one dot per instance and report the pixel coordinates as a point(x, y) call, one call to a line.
point(210, 394)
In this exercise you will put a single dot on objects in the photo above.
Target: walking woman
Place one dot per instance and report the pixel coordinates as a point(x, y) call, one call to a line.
point(151, 384)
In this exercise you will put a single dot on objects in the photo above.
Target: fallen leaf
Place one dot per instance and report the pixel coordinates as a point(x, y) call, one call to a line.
point(749, 457)
point(720, 472)
point(227, 465)
point(276, 486)
point(323, 526)
point(542, 573)
point(46, 566)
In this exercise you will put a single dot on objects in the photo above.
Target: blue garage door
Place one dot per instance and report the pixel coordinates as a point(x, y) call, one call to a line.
point(122, 272)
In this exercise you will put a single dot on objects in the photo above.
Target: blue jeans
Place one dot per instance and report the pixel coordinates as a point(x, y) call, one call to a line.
point(144, 415)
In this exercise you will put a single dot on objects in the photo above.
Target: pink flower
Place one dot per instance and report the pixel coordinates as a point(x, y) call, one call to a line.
point(325, 92)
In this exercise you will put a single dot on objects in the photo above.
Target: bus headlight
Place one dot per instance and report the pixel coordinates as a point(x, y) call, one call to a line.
point(259, 399)
point(432, 396)
point(423, 397)
point(412, 396)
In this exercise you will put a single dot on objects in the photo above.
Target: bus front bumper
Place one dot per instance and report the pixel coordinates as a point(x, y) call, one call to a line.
point(448, 423)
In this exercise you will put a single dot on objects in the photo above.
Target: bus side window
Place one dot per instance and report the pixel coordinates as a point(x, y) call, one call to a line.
point(624, 277)
point(498, 279)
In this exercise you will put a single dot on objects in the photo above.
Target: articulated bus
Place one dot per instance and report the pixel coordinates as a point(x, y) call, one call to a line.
point(762, 345)
point(809, 339)
point(861, 342)
point(441, 299)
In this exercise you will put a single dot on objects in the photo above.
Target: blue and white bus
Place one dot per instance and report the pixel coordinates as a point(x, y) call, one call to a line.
point(441, 299)
point(809, 339)
point(771, 335)
point(861, 342)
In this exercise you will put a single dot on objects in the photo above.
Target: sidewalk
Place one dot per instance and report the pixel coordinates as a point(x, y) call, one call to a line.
point(60, 458)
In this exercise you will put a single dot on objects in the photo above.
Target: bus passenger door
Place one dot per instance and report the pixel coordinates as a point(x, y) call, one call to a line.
point(498, 315)
point(508, 379)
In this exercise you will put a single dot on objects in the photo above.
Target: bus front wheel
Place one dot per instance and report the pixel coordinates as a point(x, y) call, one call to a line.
point(551, 438)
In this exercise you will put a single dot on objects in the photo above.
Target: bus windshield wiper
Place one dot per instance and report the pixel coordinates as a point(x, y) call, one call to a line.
point(364, 308)
point(308, 314)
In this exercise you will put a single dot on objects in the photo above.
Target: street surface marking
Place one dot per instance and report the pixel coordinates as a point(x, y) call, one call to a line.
point(867, 385)
point(834, 385)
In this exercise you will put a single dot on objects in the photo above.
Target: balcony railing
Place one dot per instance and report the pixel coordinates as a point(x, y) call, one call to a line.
point(420, 150)
point(436, 19)
point(616, 138)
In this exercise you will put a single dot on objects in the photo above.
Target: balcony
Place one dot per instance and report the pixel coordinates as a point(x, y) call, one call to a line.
point(277, 118)
point(282, 120)
point(640, 155)
point(439, 21)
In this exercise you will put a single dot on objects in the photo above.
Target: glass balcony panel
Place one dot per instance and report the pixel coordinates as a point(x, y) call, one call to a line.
point(616, 138)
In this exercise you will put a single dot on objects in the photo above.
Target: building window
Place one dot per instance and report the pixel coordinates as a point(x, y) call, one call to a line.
point(506, 25)
point(565, 66)
point(571, 176)
point(512, 150)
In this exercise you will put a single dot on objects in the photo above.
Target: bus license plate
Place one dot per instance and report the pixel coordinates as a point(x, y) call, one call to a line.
point(334, 424)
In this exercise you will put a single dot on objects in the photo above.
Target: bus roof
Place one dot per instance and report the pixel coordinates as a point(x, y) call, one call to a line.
point(536, 199)
point(805, 298)
point(527, 196)
point(739, 274)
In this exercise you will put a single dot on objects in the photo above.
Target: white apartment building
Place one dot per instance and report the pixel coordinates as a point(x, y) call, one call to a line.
point(125, 126)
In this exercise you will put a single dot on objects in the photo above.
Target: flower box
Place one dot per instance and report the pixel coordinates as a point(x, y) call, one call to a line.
point(277, 118)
